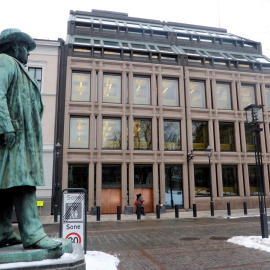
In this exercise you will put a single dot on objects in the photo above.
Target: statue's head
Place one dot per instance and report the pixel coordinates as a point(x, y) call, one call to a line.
point(17, 44)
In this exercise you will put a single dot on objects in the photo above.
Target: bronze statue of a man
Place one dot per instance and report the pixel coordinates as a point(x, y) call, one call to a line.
point(21, 163)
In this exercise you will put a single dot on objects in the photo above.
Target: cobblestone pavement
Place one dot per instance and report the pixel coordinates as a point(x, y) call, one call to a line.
point(176, 244)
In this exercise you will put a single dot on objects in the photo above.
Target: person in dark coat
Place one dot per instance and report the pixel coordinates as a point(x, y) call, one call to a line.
point(21, 163)
point(141, 200)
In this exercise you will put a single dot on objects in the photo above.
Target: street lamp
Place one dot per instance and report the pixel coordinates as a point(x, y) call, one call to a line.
point(254, 115)
point(56, 183)
point(209, 152)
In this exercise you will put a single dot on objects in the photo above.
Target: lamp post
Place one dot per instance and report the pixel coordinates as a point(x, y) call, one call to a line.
point(209, 152)
point(254, 115)
point(56, 183)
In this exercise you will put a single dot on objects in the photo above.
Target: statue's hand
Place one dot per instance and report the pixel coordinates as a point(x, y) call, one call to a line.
point(9, 139)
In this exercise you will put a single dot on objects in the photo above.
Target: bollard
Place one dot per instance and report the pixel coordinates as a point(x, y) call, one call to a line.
point(194, 210)
point(138, 212)
point(118, 212)
point(212, 208)
point(228, 208)
point(176, 211)
point(55, 213)
point(245, 208)
point(158, 211)
point(98, 213)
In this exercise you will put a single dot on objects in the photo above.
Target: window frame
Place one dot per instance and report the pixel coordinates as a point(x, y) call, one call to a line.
point(241, 94)
point(150, 92)
point(231, 144)
point(179, 148)
point(120, 132)
point(205, 96)
point(177, 92)
point(235, 167)
point(121, 86)
point(42, 66)
point(71, 92)
point(230, 92)
point(207, 139)
point(150, 144)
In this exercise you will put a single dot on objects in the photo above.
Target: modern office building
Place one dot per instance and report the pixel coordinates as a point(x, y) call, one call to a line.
point(140, 100)
point(43, 64)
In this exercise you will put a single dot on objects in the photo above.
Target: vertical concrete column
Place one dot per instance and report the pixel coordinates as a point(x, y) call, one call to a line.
point(237, 138)
point(242, 137)
point(98, 184)
point(124, 186)
point(155, 184)
point(154, 134)
point(153, 85)
point(91, 185)
point(65, 176)
point(238, 91)
point(186, 194)
point(213, 177)
point(217, 135)
point(159, 87)
point(93, 84)
point(162, 183)
point(240, 180)
point(214, 93)
point(124, 88)
point(131, 184)
point(99, 131)
point(246, 179)
point(161, 134)
point(219, 180)
point(234, 94)
point(100, 85)
point(208, 94)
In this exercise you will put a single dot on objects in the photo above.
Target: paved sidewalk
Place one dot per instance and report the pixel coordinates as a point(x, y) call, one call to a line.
point(174, 244)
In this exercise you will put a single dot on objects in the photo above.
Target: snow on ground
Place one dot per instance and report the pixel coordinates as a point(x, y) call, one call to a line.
point(256, 242)
point(95, 260)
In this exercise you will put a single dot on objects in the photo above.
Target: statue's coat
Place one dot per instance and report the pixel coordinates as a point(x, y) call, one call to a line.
point(21, 110)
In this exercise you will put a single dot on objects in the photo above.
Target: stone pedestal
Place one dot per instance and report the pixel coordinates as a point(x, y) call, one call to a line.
point(18, 258)
point(128, 210)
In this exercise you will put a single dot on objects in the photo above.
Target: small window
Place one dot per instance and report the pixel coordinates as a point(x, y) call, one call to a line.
point(253, 180)
point(170, 92)
point(223, 91)
point(230, 180)
point(250, 139)
point(80, 89)
point(143, 176)
point(36, 73)
point(202, 180)
point(79, 132)
point(247, 95)
point(112, 88)
point(142, 134)
point(200, 135)
point(141, 90)
point(111, 176)
point(78, 176)
point(227, 137)
point(197, 94)
point(111, 133)
point(172, 137)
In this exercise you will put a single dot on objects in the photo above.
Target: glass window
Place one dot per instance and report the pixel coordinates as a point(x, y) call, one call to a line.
point(172, 135)
point(197, 94)
point(141, 90)
point(111, 133)
point(78, 176)
point(202, 181)
point(173, 185)
point(253, 182)
point(267, 91)
point(223, 96)
point(111, 176)
point(250, 138)
point(143, 176)
point(247, 95)
point(80, 90)
point(200, 135)
point(112, 88)
point(230, 180)
point(170, 92)
point(142, 133)
point(37, 74)
point(79, 132)
point(226, 133)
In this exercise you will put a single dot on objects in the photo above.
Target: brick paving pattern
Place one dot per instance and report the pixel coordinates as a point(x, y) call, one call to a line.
point(176, 244)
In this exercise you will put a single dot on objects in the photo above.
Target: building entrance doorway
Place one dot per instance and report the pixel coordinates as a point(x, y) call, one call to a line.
point(173, 186)
point(111, 188)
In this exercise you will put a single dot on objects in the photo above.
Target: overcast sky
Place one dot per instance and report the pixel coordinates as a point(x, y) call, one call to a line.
point(48, 19)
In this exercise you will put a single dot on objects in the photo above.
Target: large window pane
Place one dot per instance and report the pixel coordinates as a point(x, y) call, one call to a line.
point(247, 95)
point(250, 138)
point(111, 133)
point(173, 185)
point(80, 86)
point(267, 90)
point(200, 135)
point(112, 88)
point(226, 132)
point(223, 96)
point(197, 94)
point(230, 180)
point(172, 135)
point(253, 182)
point(78, 176)
point(143, 176)
point(141, 90)
point(79, 132)
point(170, 92)
point(111, 176)
point(202, 181)
point(142, 133)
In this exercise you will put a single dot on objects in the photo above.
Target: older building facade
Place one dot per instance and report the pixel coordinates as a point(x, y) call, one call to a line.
point(142, 99)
